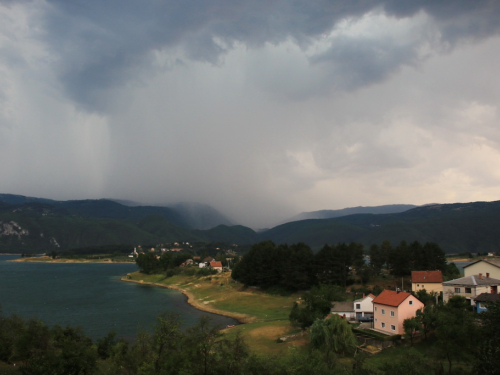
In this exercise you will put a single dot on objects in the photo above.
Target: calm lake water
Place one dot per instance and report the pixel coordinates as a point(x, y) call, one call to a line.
point(90, 295)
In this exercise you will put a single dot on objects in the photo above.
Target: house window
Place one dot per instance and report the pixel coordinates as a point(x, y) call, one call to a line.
point(358, 306)
point(422, 285)
point(383, 312)
point(375, 309)
point(468, 290)
point(457, 290)
point(393, 328)
point(392, 313)
point(383, 325)
point(411, 302)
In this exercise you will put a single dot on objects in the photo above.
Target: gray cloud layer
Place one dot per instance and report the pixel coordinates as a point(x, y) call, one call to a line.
point(258, 108)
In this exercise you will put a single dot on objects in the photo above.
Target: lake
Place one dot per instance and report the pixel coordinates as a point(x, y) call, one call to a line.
point(92, 296)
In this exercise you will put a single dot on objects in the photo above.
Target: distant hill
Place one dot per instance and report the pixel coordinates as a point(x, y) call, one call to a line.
point(455, 227)
point(186, 215)
point(41, 225)
point(20, 199)
point(330, 214)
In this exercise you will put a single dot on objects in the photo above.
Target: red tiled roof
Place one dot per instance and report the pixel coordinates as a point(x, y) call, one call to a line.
point(391, 298)
point(215, 264)
point(426, 277)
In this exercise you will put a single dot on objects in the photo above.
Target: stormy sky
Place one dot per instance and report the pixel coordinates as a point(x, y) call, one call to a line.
point(261, 109)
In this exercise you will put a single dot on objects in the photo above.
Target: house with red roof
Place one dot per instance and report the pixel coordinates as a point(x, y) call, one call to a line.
point(431, 281)
point(216, 265)
point(391, 308)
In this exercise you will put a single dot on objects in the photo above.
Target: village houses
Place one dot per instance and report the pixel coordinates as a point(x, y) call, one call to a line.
point(470, 287)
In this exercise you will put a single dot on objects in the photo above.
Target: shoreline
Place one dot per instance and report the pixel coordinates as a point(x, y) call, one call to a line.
point(241, 318)
point(46, 260)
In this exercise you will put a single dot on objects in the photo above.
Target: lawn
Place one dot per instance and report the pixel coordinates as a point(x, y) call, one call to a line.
point(266, 315)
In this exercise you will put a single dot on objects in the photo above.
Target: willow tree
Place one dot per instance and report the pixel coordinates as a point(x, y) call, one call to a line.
point(333, 335)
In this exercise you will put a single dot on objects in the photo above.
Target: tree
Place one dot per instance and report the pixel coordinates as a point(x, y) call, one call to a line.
point(426, 297)
point(399, 260)
point(260, 266)
point(455, 324)
point(377, 258)
point(411, 326)
point(451, 271)
point(297, 267)
point(332, 264)
point(316, 304)
point(428, 318)
point(487, 356)
point(106, 344)
point(166, 261)
point(333, 335)
point(411, 363)
point(202, 342)
point(147, 262)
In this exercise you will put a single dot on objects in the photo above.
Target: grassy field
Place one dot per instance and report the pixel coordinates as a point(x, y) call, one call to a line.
point(265, 315)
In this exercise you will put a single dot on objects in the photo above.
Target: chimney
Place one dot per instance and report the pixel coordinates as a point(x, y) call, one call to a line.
point(481, 276)
point(487, 275)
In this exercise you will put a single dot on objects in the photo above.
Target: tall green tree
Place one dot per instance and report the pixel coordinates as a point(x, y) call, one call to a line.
point(333, 335)
point(332, 264)
point(411, 326)
point(455, 324)
point(377, 258)
point(297, 272)
point(399, 260)
point(147, 262)
point(487, 355)
point(316, 304)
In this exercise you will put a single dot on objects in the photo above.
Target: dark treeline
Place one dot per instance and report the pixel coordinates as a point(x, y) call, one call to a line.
point(447, 329)
point(296, 267)
point(36, 349)
point(404, 258)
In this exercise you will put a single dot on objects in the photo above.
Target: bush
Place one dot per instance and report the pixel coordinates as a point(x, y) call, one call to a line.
point(171, 272)
point(189, 271)
point(206, 272)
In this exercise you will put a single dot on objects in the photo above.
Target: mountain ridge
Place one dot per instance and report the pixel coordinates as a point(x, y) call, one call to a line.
point(41, 225)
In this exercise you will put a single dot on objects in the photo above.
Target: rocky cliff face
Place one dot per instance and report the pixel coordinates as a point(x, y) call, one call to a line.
point(12, 229)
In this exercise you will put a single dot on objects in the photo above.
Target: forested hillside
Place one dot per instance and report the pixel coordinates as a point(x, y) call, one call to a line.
point(41, 225)
point(456, 228)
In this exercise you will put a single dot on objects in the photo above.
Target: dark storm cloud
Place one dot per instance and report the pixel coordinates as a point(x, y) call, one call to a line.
point(98, 44)
point(258, 108)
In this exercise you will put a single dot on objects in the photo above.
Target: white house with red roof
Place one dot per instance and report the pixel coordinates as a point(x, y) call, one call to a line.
point(216, 265)
point(391, 308)
point(431, 281)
